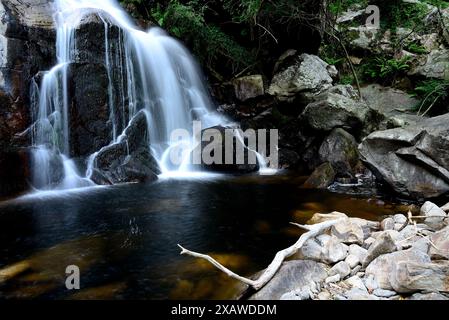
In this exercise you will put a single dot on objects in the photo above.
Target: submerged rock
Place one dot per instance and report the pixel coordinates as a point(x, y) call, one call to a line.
point(321, 178)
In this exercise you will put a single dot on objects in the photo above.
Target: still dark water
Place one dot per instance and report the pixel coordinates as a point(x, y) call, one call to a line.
point(124, 238)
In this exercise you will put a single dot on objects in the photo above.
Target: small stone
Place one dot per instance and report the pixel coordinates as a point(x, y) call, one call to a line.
point(368, 242)
point(355, 271)
point(400, 218)
point(342, 268)
point(352, 261)
point(435, 214)
point(334, 251)
point(356, 282)
point(384, 244)
point(384, 293)
point(398, 226)
point(324, 295)
point(348, 232)
point(367, 226)
point(387, 224)
point(333, 279)
point(311, 250)
point(358, 251)
point(370, 283)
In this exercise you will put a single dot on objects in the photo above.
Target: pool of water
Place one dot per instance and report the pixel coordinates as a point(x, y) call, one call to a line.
point(124, 238)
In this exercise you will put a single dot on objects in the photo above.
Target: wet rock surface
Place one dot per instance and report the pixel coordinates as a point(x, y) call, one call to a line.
point(128, 160)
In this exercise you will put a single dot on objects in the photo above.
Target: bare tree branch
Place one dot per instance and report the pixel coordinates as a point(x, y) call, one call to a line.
point(279, 258)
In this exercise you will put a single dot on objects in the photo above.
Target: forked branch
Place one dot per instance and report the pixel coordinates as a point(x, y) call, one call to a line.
point(270, 271)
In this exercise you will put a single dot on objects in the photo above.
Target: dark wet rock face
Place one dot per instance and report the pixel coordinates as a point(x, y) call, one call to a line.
point(129, 160)
point(27, 42)
point(90, 129)
point(413, 160)
point(340, 150)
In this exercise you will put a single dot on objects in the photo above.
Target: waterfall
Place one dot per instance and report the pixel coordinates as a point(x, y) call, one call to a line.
point(152, 70)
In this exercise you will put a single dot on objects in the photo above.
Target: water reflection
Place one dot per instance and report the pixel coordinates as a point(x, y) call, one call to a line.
point(124, 239)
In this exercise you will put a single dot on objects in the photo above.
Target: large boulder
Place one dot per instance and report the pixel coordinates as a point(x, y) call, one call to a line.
point(414, 160)
point(307, 77)
point(340, 150)
point(293, 277)
point(338, 109)
point(433, 65)
point(129, 159)
point(395, 105)
point(383, 268)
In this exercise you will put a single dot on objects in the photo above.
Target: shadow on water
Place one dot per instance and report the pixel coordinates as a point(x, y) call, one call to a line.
point(124, 238)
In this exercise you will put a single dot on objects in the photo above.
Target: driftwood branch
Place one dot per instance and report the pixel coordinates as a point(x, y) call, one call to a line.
point(270, 271)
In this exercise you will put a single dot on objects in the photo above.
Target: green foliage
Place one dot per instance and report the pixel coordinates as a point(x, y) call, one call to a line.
point(209, 43)
point(416, 48)
point(243, 11)
point(438, 3)
point(346, 79)
point(385, 69)
point(338, 6)
point(433, 93)
point(406, 15)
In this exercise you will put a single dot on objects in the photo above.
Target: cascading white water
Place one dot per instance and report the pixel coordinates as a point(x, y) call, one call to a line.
point(154, 71)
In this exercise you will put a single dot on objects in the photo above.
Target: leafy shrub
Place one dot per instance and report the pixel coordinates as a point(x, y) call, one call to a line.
point(384, 69)
point(434, 94)
point(209, 43)
point(416, 48)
